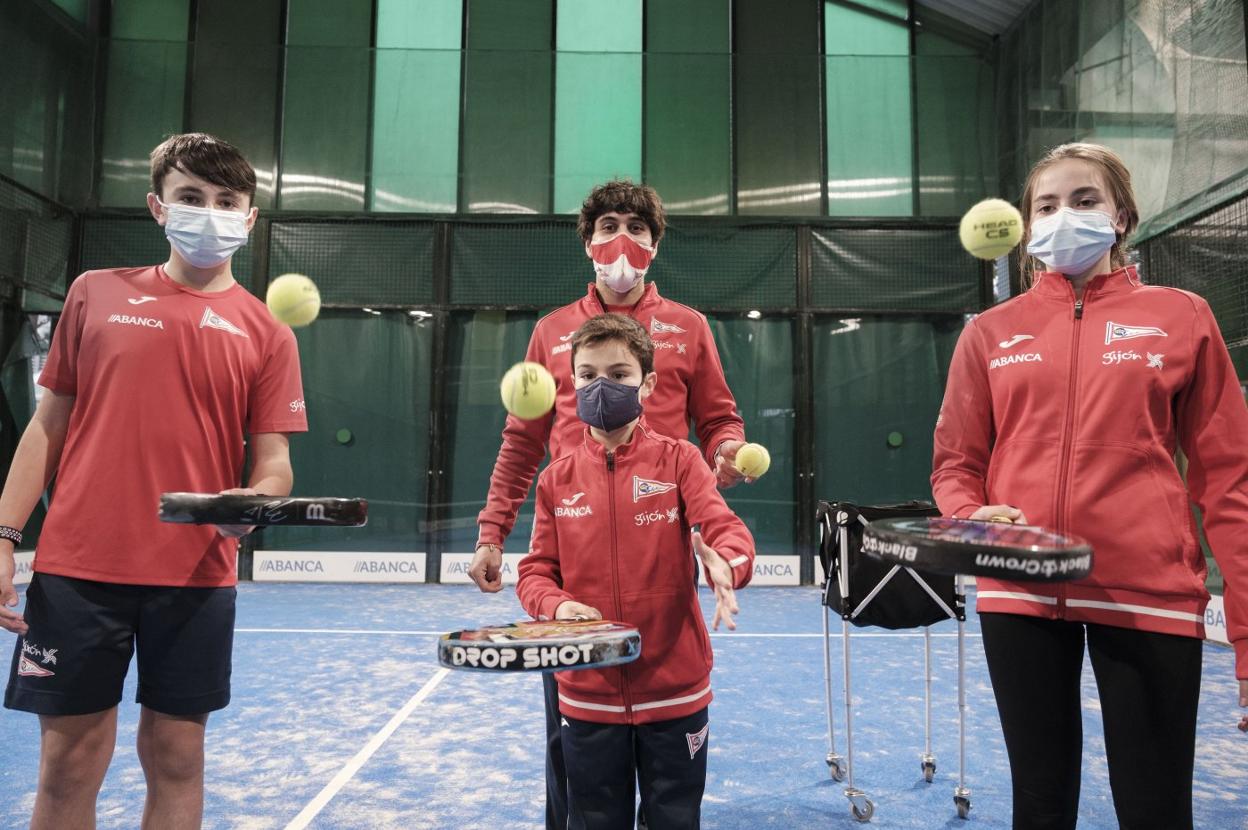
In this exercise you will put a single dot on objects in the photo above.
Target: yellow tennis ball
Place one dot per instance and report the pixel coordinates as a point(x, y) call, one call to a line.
point(293, 299)
point(528, 390)
point(991, 228)
point(753, 460)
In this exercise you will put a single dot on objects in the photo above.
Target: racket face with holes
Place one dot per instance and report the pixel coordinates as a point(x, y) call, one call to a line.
point(558, 645)
point(210, 508)
point(999, 550)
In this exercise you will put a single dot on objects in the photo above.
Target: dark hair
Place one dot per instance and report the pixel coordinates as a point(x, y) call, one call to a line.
point(626, 330)
point(1117, 180)
point(205, 156)
point(622, 196)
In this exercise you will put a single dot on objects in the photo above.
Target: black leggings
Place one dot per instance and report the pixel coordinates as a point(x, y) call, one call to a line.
point(1149, 686)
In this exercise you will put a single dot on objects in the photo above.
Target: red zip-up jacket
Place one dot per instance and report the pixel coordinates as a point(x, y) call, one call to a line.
point(1071, 412)
point(691, 385)
point(611, 531)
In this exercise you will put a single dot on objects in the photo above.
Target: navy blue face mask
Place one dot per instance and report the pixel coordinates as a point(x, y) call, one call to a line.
point(608, 405)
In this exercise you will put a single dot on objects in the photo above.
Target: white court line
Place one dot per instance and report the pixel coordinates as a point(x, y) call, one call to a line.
point(717, 634)
point(346, 773)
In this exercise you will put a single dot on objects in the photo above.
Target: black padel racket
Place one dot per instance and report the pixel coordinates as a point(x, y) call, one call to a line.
point(559, 645)
point(994, 549)
point(211, 509)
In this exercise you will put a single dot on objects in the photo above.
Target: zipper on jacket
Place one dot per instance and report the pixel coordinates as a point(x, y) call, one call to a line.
point(615, 575)
point(1068, 441)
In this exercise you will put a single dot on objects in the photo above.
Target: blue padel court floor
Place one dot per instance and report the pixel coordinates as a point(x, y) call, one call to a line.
point(342, 719)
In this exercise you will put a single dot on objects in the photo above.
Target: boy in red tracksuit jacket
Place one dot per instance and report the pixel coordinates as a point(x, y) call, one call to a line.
point(611, 537)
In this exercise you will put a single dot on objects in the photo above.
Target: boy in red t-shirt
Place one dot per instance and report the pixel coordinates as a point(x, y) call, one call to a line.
point(154, 376)
point(611, 536)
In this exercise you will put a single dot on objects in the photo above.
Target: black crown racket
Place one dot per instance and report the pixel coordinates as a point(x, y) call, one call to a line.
point(994, 549)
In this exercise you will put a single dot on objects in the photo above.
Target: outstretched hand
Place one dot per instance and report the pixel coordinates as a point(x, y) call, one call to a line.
point(721, 580)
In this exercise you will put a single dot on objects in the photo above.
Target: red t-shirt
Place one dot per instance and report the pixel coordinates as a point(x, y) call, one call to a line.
point(166, 381)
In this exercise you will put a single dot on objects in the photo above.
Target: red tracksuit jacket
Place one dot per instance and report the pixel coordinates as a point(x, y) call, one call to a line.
point(691, 386)
point(612, 531)
point(1071, 411)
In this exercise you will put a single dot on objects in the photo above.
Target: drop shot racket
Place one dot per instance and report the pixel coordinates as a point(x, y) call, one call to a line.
point(560, 645)
point(206, 508)
point(994, 549)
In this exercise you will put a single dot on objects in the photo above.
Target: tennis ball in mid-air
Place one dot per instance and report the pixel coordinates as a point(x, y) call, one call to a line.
point(753, 460)
point(991, 228)
point(293, 299)
point(528, 390)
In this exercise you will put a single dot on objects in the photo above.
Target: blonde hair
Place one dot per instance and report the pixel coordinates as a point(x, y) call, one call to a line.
point(1117, 179)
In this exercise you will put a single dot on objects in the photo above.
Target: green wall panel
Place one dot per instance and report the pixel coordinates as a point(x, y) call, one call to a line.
point(873, 377)
point(597, 97)
point(325, 105)
point(508, 93)
point(416, 94)
point(368, 374)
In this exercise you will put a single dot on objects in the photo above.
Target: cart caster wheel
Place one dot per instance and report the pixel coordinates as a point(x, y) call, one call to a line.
point(861, 807)
point(929, 771)
point(836, 767)
point(963, 804)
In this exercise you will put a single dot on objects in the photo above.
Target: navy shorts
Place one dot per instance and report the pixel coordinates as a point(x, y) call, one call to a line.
point(82, 634)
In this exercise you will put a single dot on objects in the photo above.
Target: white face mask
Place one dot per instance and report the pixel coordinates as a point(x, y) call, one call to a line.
point(202, 236)
point(1072, 241)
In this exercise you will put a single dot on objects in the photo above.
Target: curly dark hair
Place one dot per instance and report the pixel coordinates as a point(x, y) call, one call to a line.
point(622, 196)
point(618, 327)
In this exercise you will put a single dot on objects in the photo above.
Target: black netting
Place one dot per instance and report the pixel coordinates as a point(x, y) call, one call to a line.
point(1210, 257)
point(35, 241)
point(894, 270)
point(358, 262)
point(718, 267)
point(132, 241)
point(540, 263)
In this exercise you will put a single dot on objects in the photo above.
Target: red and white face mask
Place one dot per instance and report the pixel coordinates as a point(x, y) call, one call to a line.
point(621, 261)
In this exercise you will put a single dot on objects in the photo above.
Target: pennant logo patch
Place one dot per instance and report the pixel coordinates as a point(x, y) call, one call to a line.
point(644, 488)
point(657, 326)
point(213, 320)
point(29, 668)
point(1119, 331)
point(697, 740)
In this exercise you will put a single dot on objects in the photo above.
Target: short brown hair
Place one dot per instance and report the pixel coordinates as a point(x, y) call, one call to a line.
point(1117, 179)
point(205, 156)
point(626, 330)
point(622, 196)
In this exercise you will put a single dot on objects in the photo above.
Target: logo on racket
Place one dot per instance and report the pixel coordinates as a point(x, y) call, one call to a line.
point(697, 740)
point(315, 513)
point(1118, 331)
point(644, 488)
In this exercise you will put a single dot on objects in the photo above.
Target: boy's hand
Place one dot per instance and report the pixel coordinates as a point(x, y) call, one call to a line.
point(487, 568)
point(9, 620)
point(235, 531)
point(569, 610)
point(721, 580)
point(726, 472)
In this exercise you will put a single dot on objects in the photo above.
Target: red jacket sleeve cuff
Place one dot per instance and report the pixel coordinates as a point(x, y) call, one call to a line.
point(489, 533)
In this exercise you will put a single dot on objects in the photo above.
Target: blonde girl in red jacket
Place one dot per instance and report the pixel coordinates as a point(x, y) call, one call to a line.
point(611, 537)
point(1065, 407)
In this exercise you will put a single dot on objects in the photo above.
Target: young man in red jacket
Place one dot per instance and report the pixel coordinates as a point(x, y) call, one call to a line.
point(620, 225)
point(612, 535)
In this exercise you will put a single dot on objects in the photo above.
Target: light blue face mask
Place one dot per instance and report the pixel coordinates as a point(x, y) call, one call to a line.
point(1072, 241)
point(204, 237)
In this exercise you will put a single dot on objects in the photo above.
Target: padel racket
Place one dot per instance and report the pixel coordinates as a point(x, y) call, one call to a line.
point(994, 549)
point(559, 645)
point(207, 508)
